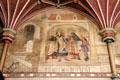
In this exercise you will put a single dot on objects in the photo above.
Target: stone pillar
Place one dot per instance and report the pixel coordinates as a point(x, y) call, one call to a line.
point(111, 58)
point(4, 54)
point(108, 36)
point(8, 37)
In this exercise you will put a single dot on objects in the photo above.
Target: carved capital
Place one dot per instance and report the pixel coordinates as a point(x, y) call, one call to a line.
point(8, 34)
point(108, 35)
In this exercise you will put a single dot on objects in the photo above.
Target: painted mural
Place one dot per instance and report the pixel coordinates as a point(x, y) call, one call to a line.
point(67, 45)
point(57, 41)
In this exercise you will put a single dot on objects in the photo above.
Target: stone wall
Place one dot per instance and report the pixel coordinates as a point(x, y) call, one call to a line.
point(32, 56)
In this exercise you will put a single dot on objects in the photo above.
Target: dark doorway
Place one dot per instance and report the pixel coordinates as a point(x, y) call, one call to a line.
point(29, 32)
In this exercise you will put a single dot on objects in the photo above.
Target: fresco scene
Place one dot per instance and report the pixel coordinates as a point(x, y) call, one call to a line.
point(57, 41)
point(67, 46)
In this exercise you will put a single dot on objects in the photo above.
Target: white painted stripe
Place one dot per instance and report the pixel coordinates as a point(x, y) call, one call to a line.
point(109, 74)
point(89, 11)
point(47, 74)
point(54, 74)
point(14, 13)
point(92, 74)
point(96, 14)
point(8, 7)
point(78, 74)
point(31, 74)
point(36, 12)
point(86, 8)
point(20, 13)
point(22, 75)
point(3, 10)
point(28, 10)
point(72, 74)
point(115, 19)
point(107, 13)
point(2, 15)
point(114, 13)
point(101, 13)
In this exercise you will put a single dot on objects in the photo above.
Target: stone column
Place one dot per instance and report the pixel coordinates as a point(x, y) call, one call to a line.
point(4, 54)
point(108, 36)
point(8, 37)
point(111, 58)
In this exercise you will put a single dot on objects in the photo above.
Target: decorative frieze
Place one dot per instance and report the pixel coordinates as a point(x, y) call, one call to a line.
point(58, 75)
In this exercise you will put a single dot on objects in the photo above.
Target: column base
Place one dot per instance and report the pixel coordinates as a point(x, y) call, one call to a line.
point(115, 76)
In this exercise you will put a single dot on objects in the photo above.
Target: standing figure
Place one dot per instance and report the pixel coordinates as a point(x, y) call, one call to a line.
point(53, 47)
point(75, 46)
point(62, 52)
point(85, 49)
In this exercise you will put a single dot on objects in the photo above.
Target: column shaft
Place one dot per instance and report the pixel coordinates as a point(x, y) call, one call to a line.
point(112, 60)
point(4, 54)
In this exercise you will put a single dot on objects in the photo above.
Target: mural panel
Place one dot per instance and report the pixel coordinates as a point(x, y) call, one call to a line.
point(67, 44)
point(57, 41)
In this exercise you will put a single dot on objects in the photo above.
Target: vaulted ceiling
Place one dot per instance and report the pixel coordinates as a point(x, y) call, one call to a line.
point(105, 13)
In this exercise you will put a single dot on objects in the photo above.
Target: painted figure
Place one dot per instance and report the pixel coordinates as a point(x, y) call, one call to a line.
point(62, 43)
point(59, 49)
point(53, 47)
point(75, 46)
point(85, 49)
